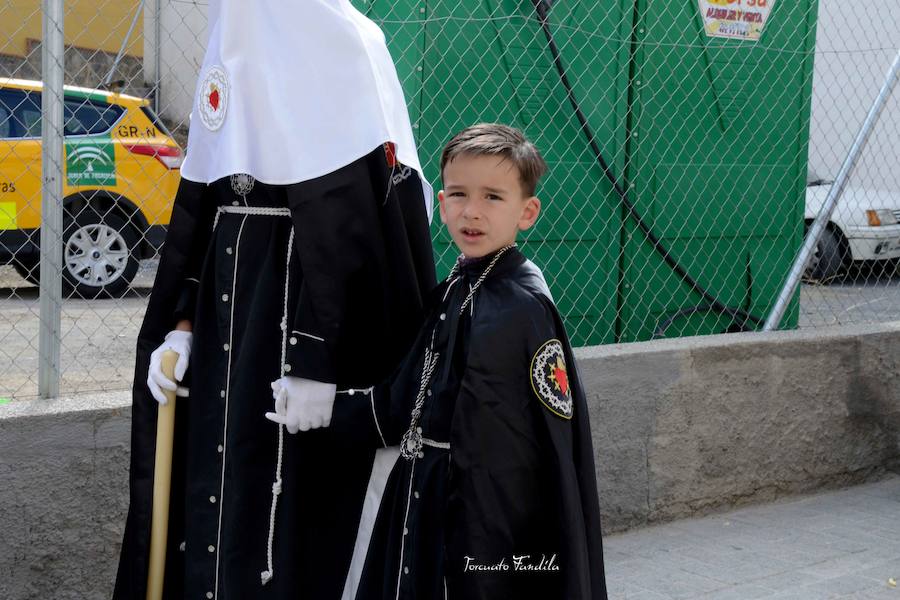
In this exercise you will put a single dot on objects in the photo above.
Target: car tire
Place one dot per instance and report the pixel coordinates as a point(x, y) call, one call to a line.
point(100, 255)
point(829, 257)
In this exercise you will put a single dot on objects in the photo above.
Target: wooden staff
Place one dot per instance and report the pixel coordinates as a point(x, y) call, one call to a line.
point(162, 484)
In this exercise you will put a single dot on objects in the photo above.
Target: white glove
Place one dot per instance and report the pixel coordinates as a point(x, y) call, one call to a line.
point(302, 404)
point(179, 342)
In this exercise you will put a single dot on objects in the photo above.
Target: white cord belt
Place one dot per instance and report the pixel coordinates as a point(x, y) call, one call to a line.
point(258, 211)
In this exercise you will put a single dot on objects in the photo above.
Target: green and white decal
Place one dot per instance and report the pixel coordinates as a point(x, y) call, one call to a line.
point(91, 160)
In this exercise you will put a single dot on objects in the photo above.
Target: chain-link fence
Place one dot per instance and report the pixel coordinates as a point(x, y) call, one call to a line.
point(119, 174)
point(690, 144)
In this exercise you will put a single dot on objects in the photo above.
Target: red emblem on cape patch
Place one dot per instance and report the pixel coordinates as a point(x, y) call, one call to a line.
point(560, 377)
point(214, 98)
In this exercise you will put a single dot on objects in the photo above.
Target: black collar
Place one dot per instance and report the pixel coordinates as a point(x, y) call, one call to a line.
point(474, 267)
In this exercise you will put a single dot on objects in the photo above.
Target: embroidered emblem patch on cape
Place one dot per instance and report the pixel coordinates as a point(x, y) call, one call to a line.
point(213, 101)
point(550, 379)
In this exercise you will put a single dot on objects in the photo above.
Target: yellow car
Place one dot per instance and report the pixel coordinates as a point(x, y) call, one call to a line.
point(121, 172)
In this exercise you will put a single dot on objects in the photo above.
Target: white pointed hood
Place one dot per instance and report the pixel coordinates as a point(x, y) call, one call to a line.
point(291, 90)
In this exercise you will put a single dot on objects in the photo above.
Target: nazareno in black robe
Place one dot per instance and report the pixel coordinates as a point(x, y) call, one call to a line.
point(360, 265)
point(507, 467)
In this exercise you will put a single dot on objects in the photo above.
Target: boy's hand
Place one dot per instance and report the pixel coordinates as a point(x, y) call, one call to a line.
point(302, 404)
point(178, 341)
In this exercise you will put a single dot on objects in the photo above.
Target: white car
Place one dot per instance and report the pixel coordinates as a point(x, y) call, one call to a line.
point(863, 226)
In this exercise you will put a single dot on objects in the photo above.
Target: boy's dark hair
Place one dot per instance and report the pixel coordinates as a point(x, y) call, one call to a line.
point(493, 139)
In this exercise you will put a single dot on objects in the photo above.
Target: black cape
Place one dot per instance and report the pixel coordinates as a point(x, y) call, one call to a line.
point(359, 268)
point(502, 500)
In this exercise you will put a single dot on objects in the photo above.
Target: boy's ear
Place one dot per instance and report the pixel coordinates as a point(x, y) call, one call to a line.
point(441, 207)
point(530, 213)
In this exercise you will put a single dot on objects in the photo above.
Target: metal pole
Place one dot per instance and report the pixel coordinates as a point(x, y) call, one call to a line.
point(834, 194)
point(157, 57)
point(52, 62)
point(118, 59)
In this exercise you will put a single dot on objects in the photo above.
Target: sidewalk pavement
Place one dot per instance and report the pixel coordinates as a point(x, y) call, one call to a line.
point(843, 544)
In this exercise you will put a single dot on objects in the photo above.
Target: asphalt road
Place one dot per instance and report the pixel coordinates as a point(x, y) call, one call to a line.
point(866, 294)
point(98, 336)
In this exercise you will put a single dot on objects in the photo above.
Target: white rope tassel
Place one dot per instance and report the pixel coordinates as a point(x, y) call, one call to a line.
point(267, 575)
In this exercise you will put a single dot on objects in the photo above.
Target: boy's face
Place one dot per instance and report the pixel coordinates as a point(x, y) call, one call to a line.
point(483, 204)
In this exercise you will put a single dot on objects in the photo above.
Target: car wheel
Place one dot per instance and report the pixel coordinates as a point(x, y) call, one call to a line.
point(829, 257)
point(99, 255)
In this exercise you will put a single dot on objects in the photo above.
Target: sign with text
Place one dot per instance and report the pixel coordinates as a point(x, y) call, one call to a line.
point(738, 19)
point(90, 161)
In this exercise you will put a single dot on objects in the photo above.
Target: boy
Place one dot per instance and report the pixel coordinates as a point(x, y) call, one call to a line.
point(494, 495)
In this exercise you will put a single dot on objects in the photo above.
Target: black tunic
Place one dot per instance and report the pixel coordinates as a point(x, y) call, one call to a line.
point(327, 285)
point(505, 480)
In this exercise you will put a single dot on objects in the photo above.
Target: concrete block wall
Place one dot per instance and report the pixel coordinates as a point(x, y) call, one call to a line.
point(63, 496)
point(680, 427)
point(685, 426)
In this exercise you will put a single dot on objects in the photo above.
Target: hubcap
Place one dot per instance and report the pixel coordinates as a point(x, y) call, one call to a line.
point(96, 255)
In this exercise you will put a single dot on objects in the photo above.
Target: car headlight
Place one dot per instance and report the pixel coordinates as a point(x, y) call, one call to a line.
point(879, 217)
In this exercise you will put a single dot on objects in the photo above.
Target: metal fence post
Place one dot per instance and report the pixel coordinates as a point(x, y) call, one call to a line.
point(834, 194)
point(52, 61)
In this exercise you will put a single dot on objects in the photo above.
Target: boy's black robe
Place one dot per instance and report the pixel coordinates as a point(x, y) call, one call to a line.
point(518, 478)
point(361, 266)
